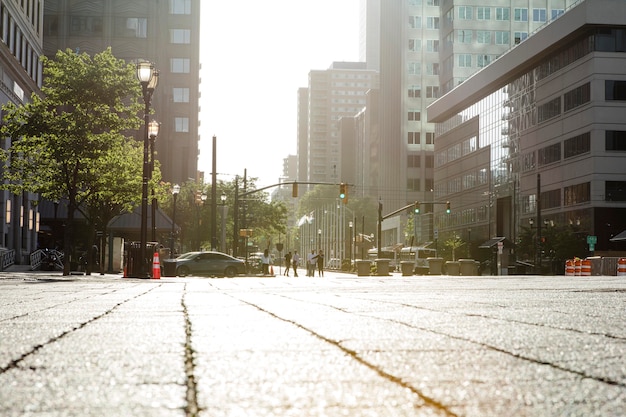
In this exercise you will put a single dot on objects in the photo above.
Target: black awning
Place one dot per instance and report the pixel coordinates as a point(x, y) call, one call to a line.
point(131, 222)
point(494, 242)
point(621, 237)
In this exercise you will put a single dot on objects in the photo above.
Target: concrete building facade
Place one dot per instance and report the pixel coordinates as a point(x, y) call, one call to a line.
point(166, 33)
point(21, 45)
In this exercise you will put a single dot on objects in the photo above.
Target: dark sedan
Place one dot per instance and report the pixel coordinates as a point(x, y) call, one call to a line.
point(204, 263)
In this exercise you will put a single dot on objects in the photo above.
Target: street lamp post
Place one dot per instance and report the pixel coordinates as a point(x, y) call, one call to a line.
point(148, 78)
point(153, 132)
point(223, 207)
point(175, 191)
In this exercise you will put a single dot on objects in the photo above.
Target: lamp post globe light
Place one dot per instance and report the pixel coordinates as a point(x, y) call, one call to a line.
point(175, 191)
point(148, 78)
point(153, 132)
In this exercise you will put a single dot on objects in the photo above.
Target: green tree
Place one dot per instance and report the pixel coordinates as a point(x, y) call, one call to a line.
point(63, 141)
point(453, 244)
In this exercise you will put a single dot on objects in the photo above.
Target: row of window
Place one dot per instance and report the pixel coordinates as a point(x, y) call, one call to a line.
point(415, 184)
point(571, 99)
point(456, 151)
point(520, 14)
point(464, 182)
point(568, 196)
point(19, 45)
point(485, 37)
point(415, 91)
point(415, 161)
point(415, 138)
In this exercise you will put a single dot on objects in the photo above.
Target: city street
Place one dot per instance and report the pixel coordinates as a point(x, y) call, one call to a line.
point(340, 345)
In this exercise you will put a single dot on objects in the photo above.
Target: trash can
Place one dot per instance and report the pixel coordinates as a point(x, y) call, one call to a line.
point(453, 268)
point(467, 267)
point(435, 265)
point(382, 267)
point(407, 268)
point(169, 268)
point(132, 259)
point(363, 268)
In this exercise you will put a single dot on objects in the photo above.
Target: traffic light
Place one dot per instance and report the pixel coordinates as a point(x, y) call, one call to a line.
point(343, 192)
point(416, 207)
point(294, 190)
point(447, 207)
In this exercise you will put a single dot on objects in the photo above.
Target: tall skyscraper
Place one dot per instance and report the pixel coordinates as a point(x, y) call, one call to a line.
point(166, 33)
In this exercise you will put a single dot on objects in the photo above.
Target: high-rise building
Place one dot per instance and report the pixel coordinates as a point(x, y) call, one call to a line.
point(535, 140)
point(21, 33)
point(166, 33)
point(332, 94)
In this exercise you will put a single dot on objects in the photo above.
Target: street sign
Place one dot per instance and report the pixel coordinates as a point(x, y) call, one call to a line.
point(592, 240)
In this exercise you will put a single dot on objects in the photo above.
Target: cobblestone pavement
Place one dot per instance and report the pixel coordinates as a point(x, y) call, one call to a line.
point(335, 346)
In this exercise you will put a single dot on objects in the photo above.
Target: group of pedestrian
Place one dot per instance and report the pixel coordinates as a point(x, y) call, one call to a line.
point(312, 261)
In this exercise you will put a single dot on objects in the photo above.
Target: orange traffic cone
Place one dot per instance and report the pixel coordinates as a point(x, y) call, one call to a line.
point(271, 270)
point(156, 266)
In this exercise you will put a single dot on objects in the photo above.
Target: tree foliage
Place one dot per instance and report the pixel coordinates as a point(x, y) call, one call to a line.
point(70, 142)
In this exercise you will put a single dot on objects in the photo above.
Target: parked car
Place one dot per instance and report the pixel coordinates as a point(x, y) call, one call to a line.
point(205, 263)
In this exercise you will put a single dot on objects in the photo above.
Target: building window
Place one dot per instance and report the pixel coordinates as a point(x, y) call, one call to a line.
point(85, 26)
point(432, 92)
point(503, 13)
point(415, 116)
point(614, 90)
point(577, 97)
point(577, 145)
point(181, 124)
point(540, 15)
point(520, 15)
point(180, 36)
point(483, 60)
point(432, 69)
point(430, 138)
point(414, 161)
point(413, 138)
point(131, 27)
point(502, 37)
point(415, 68)
point(465, 60)
point(415, 45)
point(465, 12)
point(413, 184)
point(483, 13)
point(551, 199)
point(576, 194)
point(520, 37)
point(180, 65)
point(615, 140)
point(415, 22)
point(464, 36)
point(556, 13)
point(432, 45)
point(415, 91)
point(180, 6)
point(615, 190)
point(432, 23)
point(429, 161)
point(180, 95)
point(483, 36)
point(549, 154)
point(549, 110)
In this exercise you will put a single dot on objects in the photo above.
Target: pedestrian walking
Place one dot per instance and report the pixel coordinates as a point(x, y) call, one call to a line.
point(287, 263)
point(266, 260)
point(310, 264)
point(320, 263)
point(295, 259)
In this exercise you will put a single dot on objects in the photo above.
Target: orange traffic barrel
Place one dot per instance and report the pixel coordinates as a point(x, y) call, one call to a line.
point(569, 268)
point(621, 267)
point(585, 269)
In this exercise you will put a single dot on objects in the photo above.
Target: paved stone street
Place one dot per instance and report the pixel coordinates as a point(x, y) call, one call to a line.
point(335, 346)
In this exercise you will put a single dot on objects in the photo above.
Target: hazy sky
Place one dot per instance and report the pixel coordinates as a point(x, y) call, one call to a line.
point(255, 55)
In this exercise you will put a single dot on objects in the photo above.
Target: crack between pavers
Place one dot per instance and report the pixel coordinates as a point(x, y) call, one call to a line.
point(192, 409)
